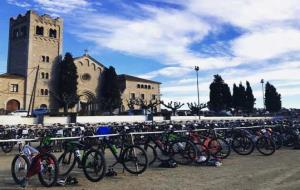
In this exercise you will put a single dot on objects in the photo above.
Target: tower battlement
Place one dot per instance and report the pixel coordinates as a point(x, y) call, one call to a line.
point(45, 17)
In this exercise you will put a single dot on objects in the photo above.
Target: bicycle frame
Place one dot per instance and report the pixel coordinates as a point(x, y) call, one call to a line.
point(118, 156)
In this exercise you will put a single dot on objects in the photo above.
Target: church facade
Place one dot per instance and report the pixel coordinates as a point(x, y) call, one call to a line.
point(35, 44)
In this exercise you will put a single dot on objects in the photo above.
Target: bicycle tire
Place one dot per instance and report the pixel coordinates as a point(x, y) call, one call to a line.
point(161, 154)
point(244, 143)
point(130, 155)
point(86, 165)
point(61, 159)
point(13, 172)
point(277, 140)
point(223, 149)
point(268, 143)
point(149, 149)
point(203, 152)
point(184, 152)
point(7, 147)
point(289, 140)
point(56, 170)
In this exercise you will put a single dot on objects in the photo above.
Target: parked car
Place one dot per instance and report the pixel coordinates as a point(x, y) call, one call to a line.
point(19, 113)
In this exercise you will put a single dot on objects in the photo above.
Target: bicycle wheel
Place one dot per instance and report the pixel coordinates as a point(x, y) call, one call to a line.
point(151, 153)
point(219, 148)
point(289, 140)
point(242, 145)
point(66, 163)
point(19, 168)
point(184, 152)
point(277, 140)
point(134, 160)
point(49, 170)
point(162, 154)
point(203, 154)
point(265, 146)
point(7, 146)
point(94, 165)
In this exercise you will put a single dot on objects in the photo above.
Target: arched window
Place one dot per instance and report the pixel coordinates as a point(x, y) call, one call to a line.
point(138, 86)
point(47, 75)
point(47, 59)
point(43, 106)
point(52, 33)
point(42, 75)
point(46, 92)
point(43, 58)
point(39, 30)
point(142, 86)
point(86, 77)
point(42, 92)
point(149, 87)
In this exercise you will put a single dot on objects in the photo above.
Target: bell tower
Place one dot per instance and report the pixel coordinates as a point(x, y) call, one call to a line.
point(35, 40)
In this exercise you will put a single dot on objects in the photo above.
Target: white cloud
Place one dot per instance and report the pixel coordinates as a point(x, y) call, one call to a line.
point(19, 4)
point(157, 36)
point(247, 13)
point(267, 44)
point(55, 6)
point(172, 72)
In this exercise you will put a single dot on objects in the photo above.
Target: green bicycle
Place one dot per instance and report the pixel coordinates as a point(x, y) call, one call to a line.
point(93, 162)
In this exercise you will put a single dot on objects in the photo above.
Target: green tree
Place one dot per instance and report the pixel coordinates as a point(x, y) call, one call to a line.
point(272, 98)
point(174, 106)
point(220, 96)
point(250, 100)
point(147, 106)
point(235, 98)
point(195, 108)
point(110, 91)
point(67, 82)
point(242, 97)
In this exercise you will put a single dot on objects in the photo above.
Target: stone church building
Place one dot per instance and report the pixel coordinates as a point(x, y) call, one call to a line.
point(36, 44)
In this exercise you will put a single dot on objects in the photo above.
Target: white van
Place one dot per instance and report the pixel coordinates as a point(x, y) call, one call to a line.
point(19, 113)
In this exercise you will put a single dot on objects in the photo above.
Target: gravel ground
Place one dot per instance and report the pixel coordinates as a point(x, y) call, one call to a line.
point(277, 172)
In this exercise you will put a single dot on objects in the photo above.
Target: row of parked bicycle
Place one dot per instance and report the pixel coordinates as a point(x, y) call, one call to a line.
point(137, 146)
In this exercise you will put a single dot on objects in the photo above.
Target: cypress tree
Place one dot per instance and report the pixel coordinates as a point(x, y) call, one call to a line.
point(110, 92)
point(242, 97)
point(235, 98)
point(272, 98)
point(67, 85)
point(250, 100)
point(220, 96)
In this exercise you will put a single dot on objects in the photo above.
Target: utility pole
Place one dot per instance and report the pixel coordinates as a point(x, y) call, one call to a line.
point(32, 98)
point(263, 94)
point(197, 70)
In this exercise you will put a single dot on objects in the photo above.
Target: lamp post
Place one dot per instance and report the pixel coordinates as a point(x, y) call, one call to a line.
point(263, 95)
point(197, 70)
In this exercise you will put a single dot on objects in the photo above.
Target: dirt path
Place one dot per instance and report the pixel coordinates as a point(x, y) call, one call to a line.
point(277, 172)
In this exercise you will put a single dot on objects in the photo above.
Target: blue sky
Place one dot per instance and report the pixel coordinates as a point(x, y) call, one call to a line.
point(164, 39)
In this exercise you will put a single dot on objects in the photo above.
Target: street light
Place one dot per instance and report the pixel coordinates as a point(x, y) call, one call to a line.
point(263, 95)
point(197, 70)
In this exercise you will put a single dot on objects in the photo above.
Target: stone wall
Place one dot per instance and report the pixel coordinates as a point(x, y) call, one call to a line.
point(6, 92)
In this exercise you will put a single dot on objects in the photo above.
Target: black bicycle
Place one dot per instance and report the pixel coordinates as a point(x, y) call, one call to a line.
point(133, 158)
point(93, 162)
